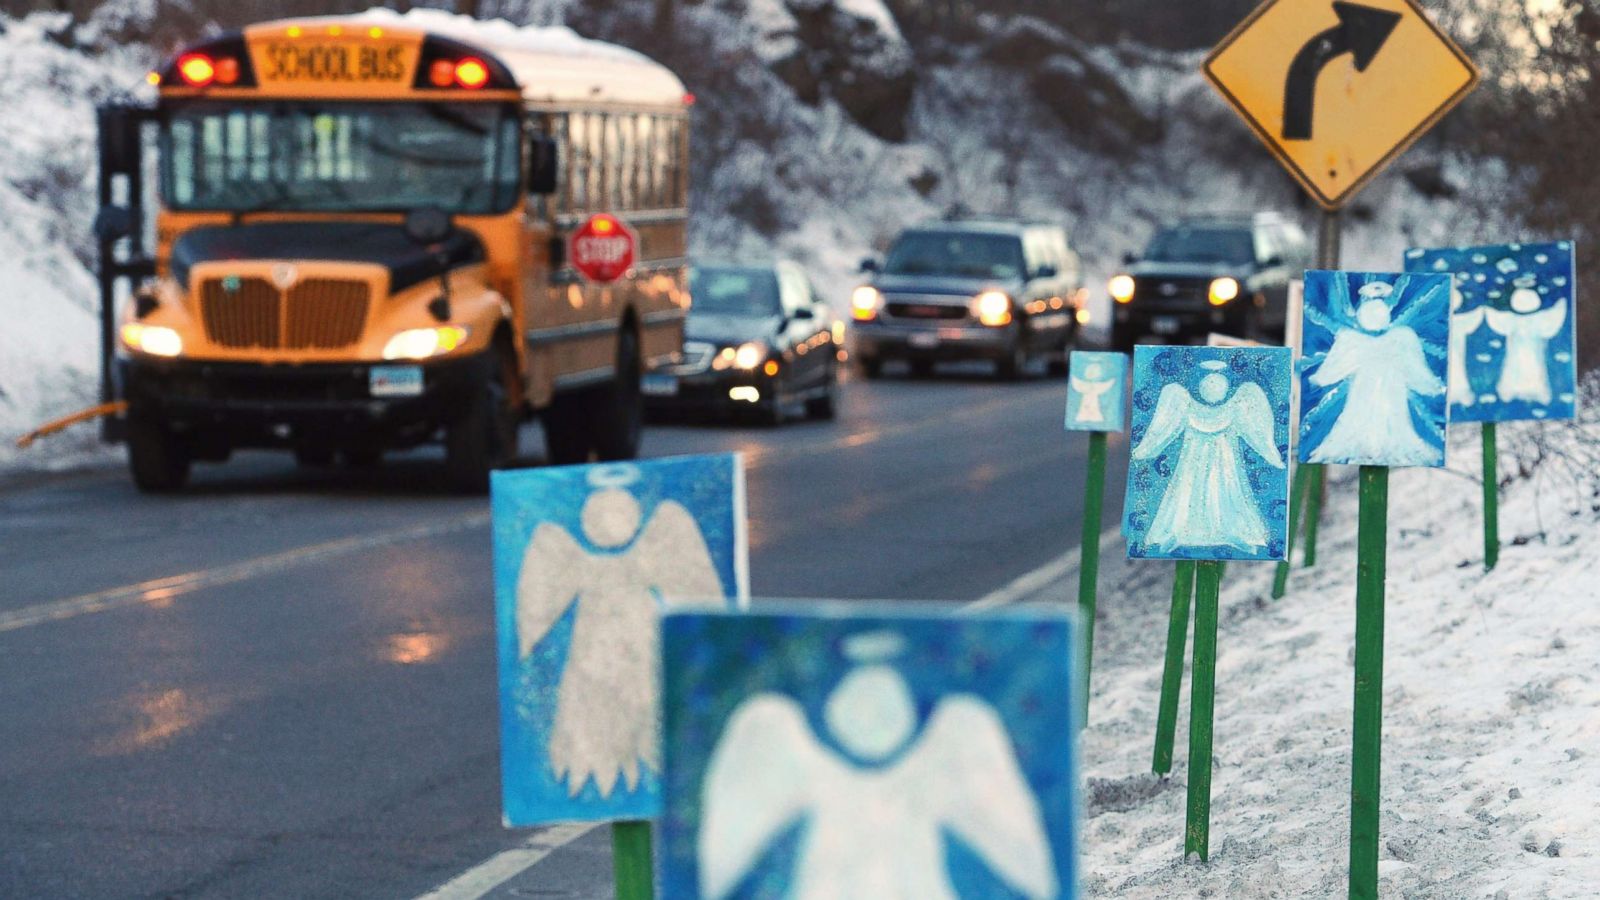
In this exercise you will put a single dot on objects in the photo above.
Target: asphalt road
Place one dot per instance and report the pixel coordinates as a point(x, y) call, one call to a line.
point(281, 683)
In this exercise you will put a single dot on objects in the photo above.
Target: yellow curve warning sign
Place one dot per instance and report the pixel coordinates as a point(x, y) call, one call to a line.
point(1339, 89)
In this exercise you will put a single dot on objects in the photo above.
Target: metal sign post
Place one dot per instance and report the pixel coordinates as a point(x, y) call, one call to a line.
point(1172, 669)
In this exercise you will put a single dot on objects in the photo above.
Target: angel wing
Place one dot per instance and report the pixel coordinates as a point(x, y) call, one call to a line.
point(1499, 320)
point(1404, 350)
point(758, 781)
point(1343, 358)
point(1172, 408)
point(1253, 422)
point(1465, 323)
point(1547, 322)
point(967, 764)
point(673, 557)
point(1426, 305)
point(552, 573)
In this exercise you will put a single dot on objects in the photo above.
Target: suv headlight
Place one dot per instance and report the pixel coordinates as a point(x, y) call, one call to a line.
point(422, 343)
point(864, 303)
point(1121, 288)
point(156, 340)
point(1223, 290)
point(993, 308)
point(750, 354)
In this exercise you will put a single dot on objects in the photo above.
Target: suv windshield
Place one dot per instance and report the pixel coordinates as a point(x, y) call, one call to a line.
point(955, 254)
point(729, 291)
point(1201, 245)
point(329, 157)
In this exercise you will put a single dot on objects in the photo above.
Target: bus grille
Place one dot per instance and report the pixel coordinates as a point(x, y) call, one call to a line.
point(318, 313)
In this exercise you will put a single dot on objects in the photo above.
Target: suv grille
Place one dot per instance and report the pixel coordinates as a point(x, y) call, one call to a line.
point(903, 310)
point(318, 313)
point(1175, 290)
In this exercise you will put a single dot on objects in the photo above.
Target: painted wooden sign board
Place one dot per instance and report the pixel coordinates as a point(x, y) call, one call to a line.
point(1513, 338)
point(832, 751)
point(1337, 90)
point(1096, 385)
point(585, 560)
point(1372, 383)
point(1208, 474)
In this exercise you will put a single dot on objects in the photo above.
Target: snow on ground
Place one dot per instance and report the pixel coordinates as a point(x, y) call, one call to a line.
point(1491, 700)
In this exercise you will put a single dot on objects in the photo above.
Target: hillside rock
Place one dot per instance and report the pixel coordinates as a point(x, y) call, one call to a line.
point(851, 51)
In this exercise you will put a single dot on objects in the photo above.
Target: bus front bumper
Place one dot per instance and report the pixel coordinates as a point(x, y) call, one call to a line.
point(337, 404)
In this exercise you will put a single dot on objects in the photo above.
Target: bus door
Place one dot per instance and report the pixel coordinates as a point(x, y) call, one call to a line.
point(122, 231)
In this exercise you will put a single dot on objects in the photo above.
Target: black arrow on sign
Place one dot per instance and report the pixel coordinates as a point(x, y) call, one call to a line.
point(1361, 32)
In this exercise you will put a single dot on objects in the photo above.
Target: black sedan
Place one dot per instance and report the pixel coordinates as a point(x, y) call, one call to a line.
point(758, 341)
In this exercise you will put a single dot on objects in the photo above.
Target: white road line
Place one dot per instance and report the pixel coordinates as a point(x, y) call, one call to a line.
point(508, 864)
point(160, 590)
point(479, 880)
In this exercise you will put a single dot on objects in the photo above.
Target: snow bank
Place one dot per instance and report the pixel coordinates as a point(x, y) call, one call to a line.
point(1491, 702)
point(48, 295)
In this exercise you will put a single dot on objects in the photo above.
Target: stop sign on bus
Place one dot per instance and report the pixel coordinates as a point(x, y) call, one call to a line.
point(603, 248)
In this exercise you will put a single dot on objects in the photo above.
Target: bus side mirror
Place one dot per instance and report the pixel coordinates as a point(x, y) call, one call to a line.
point(558, 253)
point(543, 165)
point(113, 223)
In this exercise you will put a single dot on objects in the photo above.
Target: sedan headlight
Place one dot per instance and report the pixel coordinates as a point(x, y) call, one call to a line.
point(422, 343)
point(864, 303)
point(993, 308)
point(750, 354)
point(1223, 290)
point(156, 340)
point(1121, 288)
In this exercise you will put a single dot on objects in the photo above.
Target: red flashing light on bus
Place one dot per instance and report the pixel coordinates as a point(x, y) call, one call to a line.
point(472, 73)
point(197, 70)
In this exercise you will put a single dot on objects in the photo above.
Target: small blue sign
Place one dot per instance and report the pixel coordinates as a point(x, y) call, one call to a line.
point(841, 751)
point(1372, 377)
point(1208, 475)
point(1095, 388)
point(586, 558)
point(1513, 336)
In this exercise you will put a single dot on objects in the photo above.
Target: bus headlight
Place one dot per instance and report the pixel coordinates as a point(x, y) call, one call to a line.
point(156, 340)
point(749, 355)
point(1121, 288)
point(422, 343)
point(993, 308)
point(1223, 290)
point(864, 303)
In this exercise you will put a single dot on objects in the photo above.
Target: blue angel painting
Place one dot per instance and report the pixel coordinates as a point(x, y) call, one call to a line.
point(586, 558)
point(1208, 477)
point(1372, 377)
point(1095, 387)
point(832, 751)
point(1513, 339)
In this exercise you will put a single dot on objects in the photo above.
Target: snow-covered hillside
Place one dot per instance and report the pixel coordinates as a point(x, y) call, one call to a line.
point(820, 133)
point(1491, 700)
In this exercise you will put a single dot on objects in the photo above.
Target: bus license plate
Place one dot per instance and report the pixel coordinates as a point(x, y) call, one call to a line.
point(394, 381)
point(1164, 325)
point(656, 384)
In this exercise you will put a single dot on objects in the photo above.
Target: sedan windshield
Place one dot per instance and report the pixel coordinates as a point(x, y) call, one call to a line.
point(730, 291)
point(356, 157)
point(955, 255)
point(1201, 245)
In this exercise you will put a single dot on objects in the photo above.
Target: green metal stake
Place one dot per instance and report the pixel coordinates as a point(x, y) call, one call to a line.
point(630, 859)
point(1094, 490)
point(1297, 502)
point(1172, 671)
point(1315, 488)
point(1371, 550)
point(1491, 499)
point(1202, 702)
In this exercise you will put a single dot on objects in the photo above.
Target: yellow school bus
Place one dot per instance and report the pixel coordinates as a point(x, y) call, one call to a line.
point(361, 244)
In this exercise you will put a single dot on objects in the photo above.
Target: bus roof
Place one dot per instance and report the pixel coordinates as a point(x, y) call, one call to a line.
point(552, 64)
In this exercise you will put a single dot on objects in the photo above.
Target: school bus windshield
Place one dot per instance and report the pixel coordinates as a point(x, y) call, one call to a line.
point(317, 156)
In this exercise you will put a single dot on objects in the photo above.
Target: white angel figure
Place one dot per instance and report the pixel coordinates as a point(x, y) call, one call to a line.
point(1090, 388)
point(1384, 364)
point(1462, 325)
point(607, 721)
point(1209, 501)
point(875, 830)
point(1528, 330)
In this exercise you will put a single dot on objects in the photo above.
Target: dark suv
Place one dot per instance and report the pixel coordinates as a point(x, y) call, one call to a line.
point(1228, 275)
point(994, 290)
